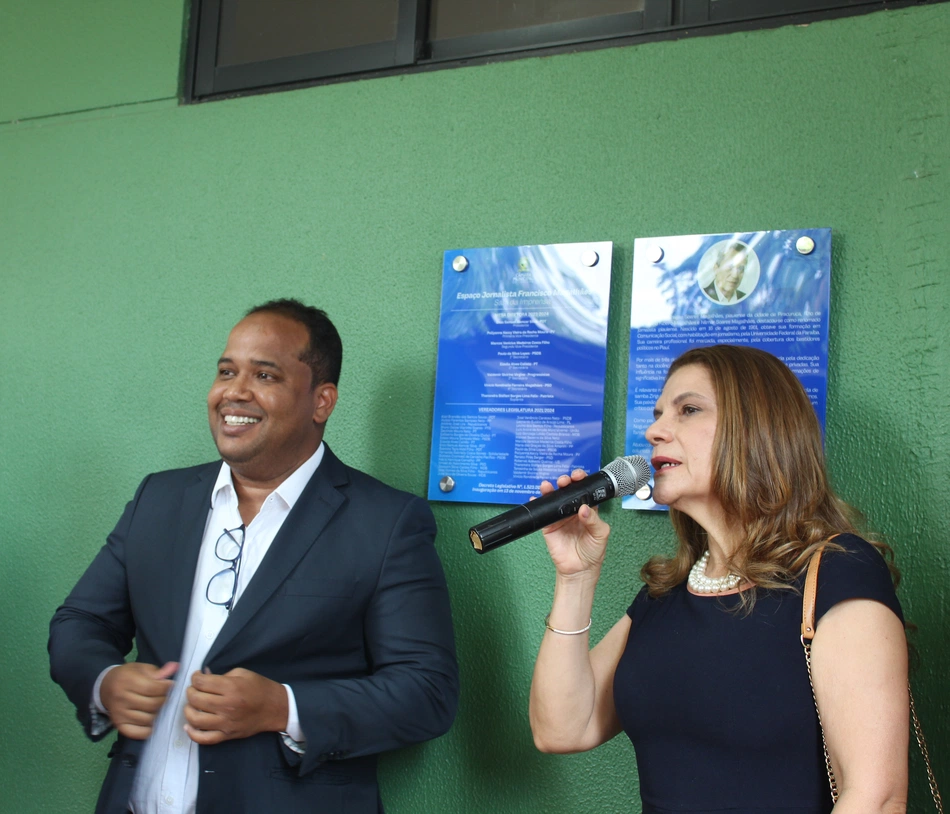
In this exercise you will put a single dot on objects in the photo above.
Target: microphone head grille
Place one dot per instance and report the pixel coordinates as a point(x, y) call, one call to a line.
point(628, 473)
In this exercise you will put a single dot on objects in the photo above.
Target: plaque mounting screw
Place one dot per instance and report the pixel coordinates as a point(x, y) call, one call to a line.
point(590, 258)
point(805, 245)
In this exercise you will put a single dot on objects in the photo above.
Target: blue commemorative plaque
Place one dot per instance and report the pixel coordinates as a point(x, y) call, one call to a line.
point(766, 289)
point(519, 391)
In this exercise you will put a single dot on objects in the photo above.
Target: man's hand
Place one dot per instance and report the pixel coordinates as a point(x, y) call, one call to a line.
point(238, 704)
point(133, 693)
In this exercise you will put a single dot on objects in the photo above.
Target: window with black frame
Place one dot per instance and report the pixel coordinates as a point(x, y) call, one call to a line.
point(250, 46)
point(459, 28)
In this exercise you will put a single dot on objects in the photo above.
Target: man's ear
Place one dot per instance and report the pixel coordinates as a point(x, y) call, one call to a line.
point(324, 400)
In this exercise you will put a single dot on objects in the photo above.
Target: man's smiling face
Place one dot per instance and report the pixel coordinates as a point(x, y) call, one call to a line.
point(265, 417)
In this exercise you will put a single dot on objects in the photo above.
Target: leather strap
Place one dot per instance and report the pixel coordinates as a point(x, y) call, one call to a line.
point(810, 595)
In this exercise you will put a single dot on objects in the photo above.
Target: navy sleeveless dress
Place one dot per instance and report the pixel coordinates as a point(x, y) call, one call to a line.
point(718, 705)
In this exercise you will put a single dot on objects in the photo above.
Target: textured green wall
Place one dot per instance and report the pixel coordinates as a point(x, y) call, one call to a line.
point(133, 235)
point(60, 57)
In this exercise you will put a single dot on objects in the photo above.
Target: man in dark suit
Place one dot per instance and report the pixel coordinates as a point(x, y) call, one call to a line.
point(290, 613)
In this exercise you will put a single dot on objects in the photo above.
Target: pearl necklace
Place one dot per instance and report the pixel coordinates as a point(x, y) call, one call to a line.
point(701, 584)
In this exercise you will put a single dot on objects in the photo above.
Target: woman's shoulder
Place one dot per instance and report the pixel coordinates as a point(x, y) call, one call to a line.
point(644, 604)
point(854, 544)
point(855, 569)
point(851, 556)
point(639, 602)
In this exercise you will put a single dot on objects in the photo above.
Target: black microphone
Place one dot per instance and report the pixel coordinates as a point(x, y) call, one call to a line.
point(619, 478)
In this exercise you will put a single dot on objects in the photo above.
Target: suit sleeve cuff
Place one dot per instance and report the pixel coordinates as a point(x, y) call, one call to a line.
point(100, 720)
point(293, 736)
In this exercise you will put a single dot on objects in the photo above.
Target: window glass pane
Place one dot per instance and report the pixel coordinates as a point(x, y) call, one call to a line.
point(258, 30)
point(462, 18)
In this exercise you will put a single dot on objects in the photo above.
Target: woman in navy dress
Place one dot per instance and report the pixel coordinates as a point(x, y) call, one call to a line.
point(705, 672)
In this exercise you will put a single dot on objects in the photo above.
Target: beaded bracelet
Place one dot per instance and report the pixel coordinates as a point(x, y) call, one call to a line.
point(567, 632)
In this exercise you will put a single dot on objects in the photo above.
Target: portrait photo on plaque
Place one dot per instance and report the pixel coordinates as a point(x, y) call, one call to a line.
point(519, 390)
point(767, 289)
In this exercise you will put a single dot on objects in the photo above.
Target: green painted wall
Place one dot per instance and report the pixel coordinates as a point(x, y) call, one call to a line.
point(133, 235)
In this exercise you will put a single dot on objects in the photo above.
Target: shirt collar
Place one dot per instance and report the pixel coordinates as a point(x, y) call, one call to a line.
point(288, 490)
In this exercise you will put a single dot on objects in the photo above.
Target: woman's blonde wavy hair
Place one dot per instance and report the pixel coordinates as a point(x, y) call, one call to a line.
point(769, 475)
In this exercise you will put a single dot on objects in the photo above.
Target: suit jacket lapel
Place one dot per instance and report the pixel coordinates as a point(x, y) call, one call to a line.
point(316, 505)
point(186, 545)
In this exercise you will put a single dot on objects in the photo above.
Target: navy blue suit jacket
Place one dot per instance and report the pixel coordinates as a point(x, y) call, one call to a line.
point(349, 607)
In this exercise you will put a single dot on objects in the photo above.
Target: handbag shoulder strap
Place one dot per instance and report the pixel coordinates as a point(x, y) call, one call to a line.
point(810, 596)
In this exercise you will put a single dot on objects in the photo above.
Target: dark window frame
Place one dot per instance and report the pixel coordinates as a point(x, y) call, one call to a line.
point(410, 52)
point(206, 79)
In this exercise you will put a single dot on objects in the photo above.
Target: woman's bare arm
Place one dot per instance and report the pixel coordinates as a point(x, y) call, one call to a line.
point(572, 708)
point(572, 694)
point(859, 663)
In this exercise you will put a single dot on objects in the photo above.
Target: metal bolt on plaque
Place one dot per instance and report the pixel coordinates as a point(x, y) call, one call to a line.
point(656, 255)
point(447, 484)
point(459, 264)
point(645, 492)
point(805, 245)
point(590, 258)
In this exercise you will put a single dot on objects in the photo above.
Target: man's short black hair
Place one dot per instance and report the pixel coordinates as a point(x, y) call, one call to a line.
point(325, 352)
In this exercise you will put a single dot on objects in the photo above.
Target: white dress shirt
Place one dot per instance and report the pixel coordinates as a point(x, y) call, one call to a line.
point(167, 778)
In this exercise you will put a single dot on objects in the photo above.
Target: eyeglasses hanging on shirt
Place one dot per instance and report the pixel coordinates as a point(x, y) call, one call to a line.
point(223, 585)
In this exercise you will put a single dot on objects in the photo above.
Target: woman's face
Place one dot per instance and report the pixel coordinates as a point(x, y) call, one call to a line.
point(682, 436)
